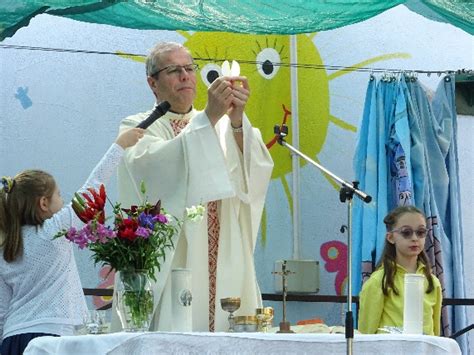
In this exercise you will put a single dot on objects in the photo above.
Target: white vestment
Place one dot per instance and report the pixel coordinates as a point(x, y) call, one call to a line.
point(201, 164)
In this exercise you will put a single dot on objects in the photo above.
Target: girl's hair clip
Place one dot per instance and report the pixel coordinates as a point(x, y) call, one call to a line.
point(8, 184)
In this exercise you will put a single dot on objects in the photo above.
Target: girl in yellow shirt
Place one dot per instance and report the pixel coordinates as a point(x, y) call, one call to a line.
point(382, 296)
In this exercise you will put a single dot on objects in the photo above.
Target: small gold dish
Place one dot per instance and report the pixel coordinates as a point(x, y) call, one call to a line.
point(245, 324)
point(245, 320)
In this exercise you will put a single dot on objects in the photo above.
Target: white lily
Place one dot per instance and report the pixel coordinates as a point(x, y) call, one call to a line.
point(195, 213)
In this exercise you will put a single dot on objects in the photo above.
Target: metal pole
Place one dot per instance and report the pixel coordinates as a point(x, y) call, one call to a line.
point(346, 194)
point(295, 160)
point(349, 317)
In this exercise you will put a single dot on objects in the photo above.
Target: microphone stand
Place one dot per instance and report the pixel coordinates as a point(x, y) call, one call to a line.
point(346, 194)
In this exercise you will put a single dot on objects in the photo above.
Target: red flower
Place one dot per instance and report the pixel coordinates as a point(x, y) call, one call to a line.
point(90, 208)
point(127, 228)
point(99, 198)
point(130, 211)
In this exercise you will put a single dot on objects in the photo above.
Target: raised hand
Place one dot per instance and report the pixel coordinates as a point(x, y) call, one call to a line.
point(219, 99)
point(240, 96)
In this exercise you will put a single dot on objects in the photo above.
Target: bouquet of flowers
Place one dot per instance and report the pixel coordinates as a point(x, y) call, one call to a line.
point(135, 244)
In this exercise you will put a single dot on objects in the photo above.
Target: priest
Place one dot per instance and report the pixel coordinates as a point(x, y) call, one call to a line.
point(213, 157)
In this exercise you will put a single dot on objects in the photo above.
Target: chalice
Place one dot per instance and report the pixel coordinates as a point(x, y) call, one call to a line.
point(264, 317)
point(230, 304)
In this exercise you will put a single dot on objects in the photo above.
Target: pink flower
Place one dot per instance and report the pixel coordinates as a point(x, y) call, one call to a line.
point(82, 238)
point(71, 234)
point(143, 232)
point(104, 233)
point(162, 218)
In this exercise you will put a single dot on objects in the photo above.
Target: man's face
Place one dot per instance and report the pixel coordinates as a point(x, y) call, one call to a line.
point(177, 86)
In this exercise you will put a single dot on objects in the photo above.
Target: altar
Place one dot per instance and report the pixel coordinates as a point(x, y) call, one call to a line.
point(239, 343)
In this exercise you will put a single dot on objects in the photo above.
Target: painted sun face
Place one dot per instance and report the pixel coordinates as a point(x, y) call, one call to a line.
point(269, 85)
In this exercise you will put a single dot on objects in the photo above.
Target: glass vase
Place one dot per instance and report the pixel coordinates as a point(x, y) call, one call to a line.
point(134, 300)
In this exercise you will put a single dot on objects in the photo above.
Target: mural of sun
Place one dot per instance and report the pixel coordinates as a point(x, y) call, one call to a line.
point(260, 59)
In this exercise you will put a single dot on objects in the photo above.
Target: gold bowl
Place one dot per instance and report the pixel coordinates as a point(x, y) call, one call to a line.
point(245, 320)
point(245, 324)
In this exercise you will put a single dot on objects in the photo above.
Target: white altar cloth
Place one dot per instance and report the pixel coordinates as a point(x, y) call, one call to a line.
point(239, 343)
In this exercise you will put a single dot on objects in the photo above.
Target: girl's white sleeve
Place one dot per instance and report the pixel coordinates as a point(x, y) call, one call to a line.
point(5, 296)
point(101, 174)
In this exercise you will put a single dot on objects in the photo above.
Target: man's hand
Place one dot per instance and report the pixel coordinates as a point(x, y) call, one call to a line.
point(240, 96)
point(227, 94)
point(219, 99)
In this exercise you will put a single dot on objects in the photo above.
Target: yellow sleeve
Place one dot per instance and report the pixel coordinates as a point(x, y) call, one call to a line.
point(371, 302)
point(437, 310)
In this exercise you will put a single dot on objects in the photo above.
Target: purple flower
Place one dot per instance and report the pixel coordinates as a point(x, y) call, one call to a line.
point(162, 218)
point(79, 237)
point(82, 238)
point(143, 232)
point(89, 232)
point(104, 233)
point(146, 220)
point(71, 234)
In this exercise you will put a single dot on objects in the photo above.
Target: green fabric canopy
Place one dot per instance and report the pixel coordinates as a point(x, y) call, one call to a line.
point(243, 16)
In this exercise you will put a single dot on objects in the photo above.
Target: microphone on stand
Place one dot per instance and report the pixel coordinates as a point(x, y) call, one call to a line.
point(159, 111)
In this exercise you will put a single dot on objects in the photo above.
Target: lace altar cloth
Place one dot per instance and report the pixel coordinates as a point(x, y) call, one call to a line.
point(240, 343)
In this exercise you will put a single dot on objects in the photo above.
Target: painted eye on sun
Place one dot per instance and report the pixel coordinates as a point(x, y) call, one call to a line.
point(210, 72)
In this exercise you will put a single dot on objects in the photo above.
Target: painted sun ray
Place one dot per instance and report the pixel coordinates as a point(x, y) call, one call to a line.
point(342, 124)
point(135, 58)
point(367, 62)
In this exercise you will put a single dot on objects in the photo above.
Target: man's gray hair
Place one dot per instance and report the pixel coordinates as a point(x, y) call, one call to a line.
point(153, 60)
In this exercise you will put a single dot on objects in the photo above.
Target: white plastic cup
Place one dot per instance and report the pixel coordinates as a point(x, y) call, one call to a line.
point(181, 286)
point(413, 304)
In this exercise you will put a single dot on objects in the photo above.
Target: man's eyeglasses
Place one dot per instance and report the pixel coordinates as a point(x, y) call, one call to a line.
point(407, 232)
point(177, 69)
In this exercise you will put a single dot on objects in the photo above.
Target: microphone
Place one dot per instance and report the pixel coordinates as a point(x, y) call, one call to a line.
point(159, 111)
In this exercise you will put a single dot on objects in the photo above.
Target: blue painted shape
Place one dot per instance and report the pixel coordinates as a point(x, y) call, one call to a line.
point(22, 96)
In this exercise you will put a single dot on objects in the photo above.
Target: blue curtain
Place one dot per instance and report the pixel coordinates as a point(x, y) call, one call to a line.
point(407, 154)
point(372, 171)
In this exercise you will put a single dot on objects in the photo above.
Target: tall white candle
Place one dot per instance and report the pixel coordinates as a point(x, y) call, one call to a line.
point(413, 304)
point(181, 294)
